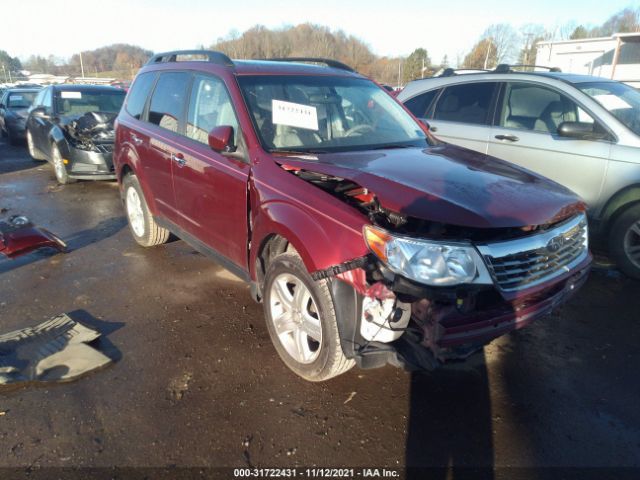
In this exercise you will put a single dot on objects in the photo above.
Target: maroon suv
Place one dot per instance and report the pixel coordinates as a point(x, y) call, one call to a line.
point(366, 239)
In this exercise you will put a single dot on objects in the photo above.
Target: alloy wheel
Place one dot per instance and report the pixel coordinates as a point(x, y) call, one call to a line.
point(134, 212)
point(632, 243)
point(296, 318)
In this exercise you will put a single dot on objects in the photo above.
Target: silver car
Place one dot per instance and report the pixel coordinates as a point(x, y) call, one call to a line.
point(581, 131)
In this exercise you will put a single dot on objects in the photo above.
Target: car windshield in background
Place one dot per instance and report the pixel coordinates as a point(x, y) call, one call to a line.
point(18, 100)
point(78, 102)
point(327, 114)
point(620, 99)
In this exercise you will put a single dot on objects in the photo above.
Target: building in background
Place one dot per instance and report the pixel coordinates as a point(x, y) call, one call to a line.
point(616, 57)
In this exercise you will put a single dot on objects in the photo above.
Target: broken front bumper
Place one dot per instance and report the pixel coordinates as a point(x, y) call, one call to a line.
point(19, 236)
point(88, 165)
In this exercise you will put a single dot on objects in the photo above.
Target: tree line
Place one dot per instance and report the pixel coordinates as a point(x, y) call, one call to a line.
point(500, 43)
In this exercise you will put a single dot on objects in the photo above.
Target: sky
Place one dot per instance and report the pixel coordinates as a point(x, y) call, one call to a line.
point(64, 27)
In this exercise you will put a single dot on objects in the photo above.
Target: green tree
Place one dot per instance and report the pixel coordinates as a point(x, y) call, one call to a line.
point(414, 64)
point(483, 55)
point(11, 64)
point(579, 33)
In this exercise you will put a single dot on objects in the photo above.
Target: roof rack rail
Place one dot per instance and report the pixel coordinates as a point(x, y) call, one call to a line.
point(211, 55)
point(327, 61)
point(506, 68)
point(449, 72)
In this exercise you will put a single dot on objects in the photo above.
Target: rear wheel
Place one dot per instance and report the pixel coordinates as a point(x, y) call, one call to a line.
point(33, 151)
point(143, 227)
point(301, 320)
point(58, 166)
point(624, 241)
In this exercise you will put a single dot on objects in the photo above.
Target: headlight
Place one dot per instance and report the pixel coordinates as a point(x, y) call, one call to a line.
point(428, 262)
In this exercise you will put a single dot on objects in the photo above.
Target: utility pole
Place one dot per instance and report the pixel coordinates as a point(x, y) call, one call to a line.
point(399, 65)
point(81, 65)
point(486, 58)
point(10, 80)
point(4, 73)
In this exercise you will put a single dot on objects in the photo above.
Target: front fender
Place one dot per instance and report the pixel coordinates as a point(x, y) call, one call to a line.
point(321, 242)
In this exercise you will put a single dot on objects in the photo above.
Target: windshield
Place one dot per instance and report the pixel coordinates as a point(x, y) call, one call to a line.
point(18, 100)
point(326, 114)
point(620, 99)
point(79, 102)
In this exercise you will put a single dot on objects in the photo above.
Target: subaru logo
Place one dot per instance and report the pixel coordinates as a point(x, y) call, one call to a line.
point(555, 244)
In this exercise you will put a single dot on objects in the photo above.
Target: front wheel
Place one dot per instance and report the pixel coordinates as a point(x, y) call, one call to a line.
point(624, 242)
point(33, 151)
point(301, 320)
point(58, 166)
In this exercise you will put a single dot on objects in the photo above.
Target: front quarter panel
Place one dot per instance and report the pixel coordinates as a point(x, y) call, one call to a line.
point(325, 231)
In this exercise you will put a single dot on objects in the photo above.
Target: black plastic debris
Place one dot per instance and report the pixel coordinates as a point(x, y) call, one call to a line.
point(54, 351)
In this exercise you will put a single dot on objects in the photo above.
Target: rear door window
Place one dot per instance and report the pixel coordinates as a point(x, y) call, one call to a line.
point(168, 100)
point(138, 95)
point(468, 103)
point(419, 105)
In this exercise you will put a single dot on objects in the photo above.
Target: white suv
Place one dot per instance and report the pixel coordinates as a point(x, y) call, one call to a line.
point(581, 131)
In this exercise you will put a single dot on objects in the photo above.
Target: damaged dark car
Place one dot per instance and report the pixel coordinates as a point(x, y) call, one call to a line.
point(72, 127)
point(367, 240)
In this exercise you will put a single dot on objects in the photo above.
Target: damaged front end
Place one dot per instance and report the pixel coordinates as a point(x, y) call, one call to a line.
point(18, 236)
point(429, 292)
point(90, 139)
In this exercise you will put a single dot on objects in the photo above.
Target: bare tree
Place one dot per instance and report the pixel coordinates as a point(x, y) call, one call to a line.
point(504, 39)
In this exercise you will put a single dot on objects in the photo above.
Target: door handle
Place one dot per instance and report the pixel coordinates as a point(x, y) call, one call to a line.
point(510, 138)
point(179, 159)
point(137, 140)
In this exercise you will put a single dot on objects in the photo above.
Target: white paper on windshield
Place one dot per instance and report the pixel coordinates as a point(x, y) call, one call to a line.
point(294, 115)
point(71, 94)
point(611, 102)
point(15, 97)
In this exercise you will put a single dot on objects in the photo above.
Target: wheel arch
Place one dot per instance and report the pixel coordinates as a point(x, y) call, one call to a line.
point(618, 204)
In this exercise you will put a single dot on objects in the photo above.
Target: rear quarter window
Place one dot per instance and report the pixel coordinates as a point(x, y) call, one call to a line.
point(139, 93)
point(419, 105)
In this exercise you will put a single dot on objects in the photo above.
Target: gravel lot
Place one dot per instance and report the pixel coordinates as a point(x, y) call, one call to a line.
point(196, 382)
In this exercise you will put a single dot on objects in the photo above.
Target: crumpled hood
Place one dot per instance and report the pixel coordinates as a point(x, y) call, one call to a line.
point(450, 184)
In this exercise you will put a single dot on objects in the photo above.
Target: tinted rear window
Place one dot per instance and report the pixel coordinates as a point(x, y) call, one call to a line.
point(139, 93)
point(168, 100)
point(21, 99)
point(78, 102)
point(419, 104)
point(468, 103)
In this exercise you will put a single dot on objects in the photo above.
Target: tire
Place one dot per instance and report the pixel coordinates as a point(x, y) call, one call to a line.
point(311, 305)
point(143, 227)
point(59, 169)
point(33, 151)
point(624, 242)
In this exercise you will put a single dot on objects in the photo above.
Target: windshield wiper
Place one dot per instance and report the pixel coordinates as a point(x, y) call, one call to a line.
point(296, 152)
point(393, 145)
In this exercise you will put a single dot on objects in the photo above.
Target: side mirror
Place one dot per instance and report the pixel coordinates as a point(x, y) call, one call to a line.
point(580, 131)
point(425, 125)
point(221, 139)
point(2, 105)
point(39, 112)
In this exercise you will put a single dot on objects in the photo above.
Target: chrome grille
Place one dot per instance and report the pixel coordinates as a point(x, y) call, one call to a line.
point(529, 261)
